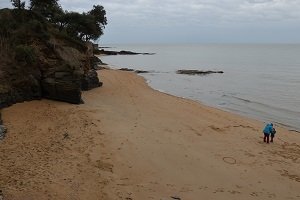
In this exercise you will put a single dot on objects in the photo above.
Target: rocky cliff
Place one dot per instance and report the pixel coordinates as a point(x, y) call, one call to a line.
point(37, 61)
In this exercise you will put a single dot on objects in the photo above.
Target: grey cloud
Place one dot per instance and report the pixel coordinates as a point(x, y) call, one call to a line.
point(156, 11)
point(260, 1)
point(133, 16)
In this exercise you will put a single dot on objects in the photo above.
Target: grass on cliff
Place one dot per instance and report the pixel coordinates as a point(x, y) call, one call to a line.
point(22, 31)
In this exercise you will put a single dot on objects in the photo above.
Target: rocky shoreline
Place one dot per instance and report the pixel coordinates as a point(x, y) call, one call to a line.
point(61, 78)
point(123, 52)
point(134, 70)
point(43, 64)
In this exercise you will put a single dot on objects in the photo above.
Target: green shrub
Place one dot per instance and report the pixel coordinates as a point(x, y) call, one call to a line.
point(72, 41)
point(26, 54)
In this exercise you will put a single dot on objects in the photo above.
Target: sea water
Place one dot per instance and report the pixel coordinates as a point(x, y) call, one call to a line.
point(261, 81)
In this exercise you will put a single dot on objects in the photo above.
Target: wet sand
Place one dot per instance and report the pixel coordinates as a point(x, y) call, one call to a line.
point(131, 142)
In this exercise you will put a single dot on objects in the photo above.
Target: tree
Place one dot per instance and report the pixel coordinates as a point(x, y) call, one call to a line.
point(89, 28)
point(85, 26)
point(47, 8)
point(100, 15)
point(61, 19)
point(18, 4)
point(81, 26)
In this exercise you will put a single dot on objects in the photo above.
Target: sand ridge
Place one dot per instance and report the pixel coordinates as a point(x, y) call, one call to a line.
point(129, 141)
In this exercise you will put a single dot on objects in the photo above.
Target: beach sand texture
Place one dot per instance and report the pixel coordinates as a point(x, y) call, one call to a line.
point(131, 142)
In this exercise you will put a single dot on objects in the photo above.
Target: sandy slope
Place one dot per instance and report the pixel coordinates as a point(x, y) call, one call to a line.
point(130, 142)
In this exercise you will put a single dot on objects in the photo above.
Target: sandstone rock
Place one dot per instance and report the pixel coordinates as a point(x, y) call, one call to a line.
point(90, 80)
point(97, 63)
point(58, 71)
point(5, 100)
point(21, 89)
point(67, 90)
point(101, 67)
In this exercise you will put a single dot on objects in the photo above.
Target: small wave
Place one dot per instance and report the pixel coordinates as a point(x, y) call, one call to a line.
point(160, 90)
point(242, 99)
point(248, 101)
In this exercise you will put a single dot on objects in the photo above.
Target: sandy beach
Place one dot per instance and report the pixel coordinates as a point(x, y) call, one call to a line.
point(130, 142)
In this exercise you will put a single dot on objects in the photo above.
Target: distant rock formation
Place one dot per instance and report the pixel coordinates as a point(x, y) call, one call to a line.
point(105, 52)
point(127, 69)
point(197, 72)
point(133, 70)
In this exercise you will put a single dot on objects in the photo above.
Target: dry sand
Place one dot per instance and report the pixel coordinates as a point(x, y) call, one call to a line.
point(131, 142)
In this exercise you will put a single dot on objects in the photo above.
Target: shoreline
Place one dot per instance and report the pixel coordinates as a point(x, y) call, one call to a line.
point(230, 110)
point(240, 88)
point(239, 113)
point(131, 141)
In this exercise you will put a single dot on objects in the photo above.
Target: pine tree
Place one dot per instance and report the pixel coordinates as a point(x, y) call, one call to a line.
point(18, 4)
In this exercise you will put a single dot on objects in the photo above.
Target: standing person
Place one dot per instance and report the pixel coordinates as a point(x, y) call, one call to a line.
point(272, 134)
point(267, 131)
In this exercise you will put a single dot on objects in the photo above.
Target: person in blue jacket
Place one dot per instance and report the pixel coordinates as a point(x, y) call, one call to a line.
point(267, 131)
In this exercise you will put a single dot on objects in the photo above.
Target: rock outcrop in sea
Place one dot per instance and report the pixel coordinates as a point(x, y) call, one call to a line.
point(133, 70)
point(123, 52)
point(197, 72)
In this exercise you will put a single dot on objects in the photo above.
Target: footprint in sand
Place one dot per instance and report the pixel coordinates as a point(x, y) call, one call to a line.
point(219, 190)
point(104, 166)
point(203, 188)
point(229, 160)
point(216, 128)
point(271, 195)
point(234, 192)
point(243, 126)
point(193, 130)
point(249, 154)
point(254, 194)
point(293, 177)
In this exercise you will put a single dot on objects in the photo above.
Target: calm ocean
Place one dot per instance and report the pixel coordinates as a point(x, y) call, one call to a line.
point(259, 81)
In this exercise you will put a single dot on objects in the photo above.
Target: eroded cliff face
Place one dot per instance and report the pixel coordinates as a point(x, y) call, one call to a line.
point(43, 64)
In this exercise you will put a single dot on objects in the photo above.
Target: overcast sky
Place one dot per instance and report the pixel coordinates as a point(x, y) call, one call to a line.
point(195, 21)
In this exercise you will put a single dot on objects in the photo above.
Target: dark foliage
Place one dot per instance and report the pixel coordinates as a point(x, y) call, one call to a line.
point(18, 4)
point(25, 54)
point(47, 8)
